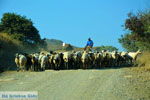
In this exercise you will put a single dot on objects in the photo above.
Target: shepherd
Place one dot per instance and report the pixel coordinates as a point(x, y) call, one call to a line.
point(89, 45)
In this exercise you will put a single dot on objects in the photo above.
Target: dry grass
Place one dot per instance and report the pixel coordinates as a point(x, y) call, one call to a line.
point(143, 62)
point(6, 38)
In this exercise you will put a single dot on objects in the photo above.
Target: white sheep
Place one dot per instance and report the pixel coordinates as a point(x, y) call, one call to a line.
point(85, 60)
point(134, 55)
point(44, 62)
point(57, 61)
point(21, 61)
point(67, 56)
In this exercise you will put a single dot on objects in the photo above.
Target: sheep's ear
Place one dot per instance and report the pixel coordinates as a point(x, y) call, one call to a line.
point(16, 54)
point(139, 50)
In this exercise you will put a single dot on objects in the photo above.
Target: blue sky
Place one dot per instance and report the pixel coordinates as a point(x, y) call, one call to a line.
point(73, 21)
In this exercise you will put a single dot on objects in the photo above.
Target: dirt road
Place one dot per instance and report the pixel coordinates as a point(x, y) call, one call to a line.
point(104, 84)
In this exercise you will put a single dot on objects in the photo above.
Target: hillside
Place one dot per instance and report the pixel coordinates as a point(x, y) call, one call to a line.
point(109, 48)
point(54, 44)
point(100, 48)
point(9, 47)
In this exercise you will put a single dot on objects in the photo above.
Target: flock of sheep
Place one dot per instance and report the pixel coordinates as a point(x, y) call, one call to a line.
point(73, 60)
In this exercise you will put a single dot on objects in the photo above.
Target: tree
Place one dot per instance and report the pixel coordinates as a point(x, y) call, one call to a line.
point(15, 24)
point(128, 43)
point(139, 32)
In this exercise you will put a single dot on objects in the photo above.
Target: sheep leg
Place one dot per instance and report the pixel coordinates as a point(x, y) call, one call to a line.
point(18, 69)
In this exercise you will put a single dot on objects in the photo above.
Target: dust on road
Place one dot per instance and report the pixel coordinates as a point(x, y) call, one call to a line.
point(103, 84)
